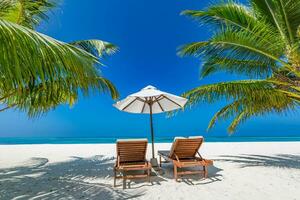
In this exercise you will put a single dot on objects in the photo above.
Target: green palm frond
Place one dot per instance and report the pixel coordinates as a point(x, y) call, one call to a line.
point(260, 40)
point(194, 49)
point(106, 86)
point(97, 48)
point(252, 97)
point(37, 72)
point(243, 108)
point(44, 97)
point(241, 49)
point(32, 62)
point(284, 15)
point(232, 43)
point(226, 14)
point(26, 55)
point(242, 116)
point(225, 113)
point(266, 105)
point(238, 18)
point(292, 10)
point(28, 13)
point(5, 7)
point(251, 89)
point(253, 68)
point(267, 9)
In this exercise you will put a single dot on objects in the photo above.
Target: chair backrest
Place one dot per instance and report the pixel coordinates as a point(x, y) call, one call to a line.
point(185, 147)
point(132, 150)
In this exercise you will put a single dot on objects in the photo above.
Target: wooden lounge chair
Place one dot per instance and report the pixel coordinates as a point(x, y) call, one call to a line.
point(131, 156)
point(185, 153)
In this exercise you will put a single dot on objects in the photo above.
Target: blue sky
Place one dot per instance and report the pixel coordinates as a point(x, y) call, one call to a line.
point(147, 33)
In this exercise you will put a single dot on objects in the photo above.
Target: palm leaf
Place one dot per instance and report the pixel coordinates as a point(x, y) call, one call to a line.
point(27, 13)
point(194, 48)
point(36, 70)
point(26, 54)
point(244, 107)
point(253, 68)
point(238, 17)
point(5, 7)
point(44, 97)
point(230, 90)
point(98, 48)
point(260, 40)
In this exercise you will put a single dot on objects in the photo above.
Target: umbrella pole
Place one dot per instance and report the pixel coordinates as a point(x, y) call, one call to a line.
point(151, 127)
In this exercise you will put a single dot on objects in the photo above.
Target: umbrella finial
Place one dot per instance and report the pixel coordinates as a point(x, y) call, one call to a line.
point(149, 87)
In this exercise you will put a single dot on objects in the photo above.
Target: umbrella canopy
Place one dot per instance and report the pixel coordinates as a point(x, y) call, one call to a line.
point(150, 100)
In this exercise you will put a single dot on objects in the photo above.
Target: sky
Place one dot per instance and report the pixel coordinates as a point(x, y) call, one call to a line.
point(148, 33)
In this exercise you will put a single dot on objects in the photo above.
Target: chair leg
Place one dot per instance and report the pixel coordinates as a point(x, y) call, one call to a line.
point(148, 174)
point(115, 177)
point(175, 173)
point(124, 182)
point(160, 160)
point(205, 172)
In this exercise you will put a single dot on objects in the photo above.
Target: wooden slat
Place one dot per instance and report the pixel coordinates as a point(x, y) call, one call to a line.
point(135, 176)
point(131, 150)
point(190, 172)
point(133, 168)
point(183, 154)
point(131, 156)
point(185, 147)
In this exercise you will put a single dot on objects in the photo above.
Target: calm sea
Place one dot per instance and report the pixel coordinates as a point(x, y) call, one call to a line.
point(60, 140)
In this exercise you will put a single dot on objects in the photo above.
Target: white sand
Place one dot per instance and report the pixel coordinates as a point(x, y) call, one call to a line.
point(241, 171)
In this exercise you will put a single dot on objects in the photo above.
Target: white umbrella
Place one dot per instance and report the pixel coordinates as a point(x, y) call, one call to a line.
point(150, 101)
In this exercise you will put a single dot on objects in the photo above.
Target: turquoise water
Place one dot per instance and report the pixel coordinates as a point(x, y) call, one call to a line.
point(27, 140)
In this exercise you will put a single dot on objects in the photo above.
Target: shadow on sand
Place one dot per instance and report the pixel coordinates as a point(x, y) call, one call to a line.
point(213, 175)
point(252, 160)
point(81, 178)
point(166, 174)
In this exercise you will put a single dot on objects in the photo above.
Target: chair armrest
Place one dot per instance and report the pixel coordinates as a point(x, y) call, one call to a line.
point(118, 161)
point(176, 157)
point(200, 155)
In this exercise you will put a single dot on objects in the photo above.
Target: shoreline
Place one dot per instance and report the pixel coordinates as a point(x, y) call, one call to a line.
point(95, 140)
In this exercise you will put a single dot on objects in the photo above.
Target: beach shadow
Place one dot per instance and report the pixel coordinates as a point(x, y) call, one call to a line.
point(213, 175)
point(140, 183)
point(253, 160)
point(155, 179)
point(82, 178)
point(79, 178)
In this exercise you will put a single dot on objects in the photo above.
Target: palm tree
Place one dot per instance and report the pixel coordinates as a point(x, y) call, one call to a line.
point(260, 40)
point(37, 72)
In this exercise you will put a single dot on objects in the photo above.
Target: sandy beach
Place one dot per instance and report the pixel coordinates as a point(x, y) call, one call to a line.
point(254, 170)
